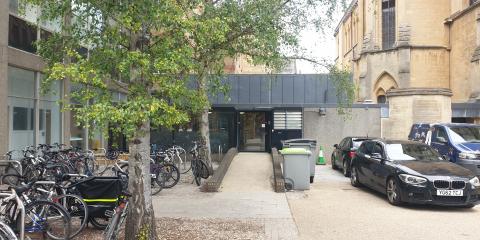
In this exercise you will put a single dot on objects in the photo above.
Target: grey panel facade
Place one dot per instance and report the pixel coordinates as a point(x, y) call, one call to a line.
point(268, 91)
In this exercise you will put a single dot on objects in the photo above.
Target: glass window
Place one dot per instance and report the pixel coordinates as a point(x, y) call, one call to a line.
point(439, 134)
point(421, 152)
point(21, 107)
point(21, 122)
point(22, 35)
point(388, 24)
point(465, 134)
point(50, 122)
point(381, 99)
point(21, 83)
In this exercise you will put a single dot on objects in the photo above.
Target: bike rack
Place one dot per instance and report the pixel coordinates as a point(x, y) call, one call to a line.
point(21, 207)
point(19, 165)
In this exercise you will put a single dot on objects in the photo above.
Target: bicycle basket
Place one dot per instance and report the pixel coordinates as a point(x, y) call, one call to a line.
point(100, 194)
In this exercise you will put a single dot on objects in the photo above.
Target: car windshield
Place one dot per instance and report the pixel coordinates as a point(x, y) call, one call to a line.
point(357, 142)
point(464, 134)
point(405, 151)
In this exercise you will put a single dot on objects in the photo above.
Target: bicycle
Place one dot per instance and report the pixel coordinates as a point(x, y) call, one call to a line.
point(118, 217)
point(198, 165)
point(38, 217)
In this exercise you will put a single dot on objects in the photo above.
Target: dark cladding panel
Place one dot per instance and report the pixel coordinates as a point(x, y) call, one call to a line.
point(255, 89)
point(277, 89)
point(234, 89)
point(265, 90)
point(244, 90)
point(287, 89)
point(299, 89)
point(310, 88)
point(260, 90)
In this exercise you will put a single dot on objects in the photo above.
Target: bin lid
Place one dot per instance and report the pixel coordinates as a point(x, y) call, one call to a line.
point(295, 151)
point(300, 140)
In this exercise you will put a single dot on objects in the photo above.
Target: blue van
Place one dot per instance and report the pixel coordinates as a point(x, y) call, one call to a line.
point(456, 142)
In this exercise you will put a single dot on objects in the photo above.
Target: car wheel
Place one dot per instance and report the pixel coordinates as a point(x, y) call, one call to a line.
point(345, 169)
point(334, 167)
point(354, 177)
point(393, 192)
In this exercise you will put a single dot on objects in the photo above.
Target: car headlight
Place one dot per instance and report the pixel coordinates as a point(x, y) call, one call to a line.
point(475, 182)
point(467, 155)
point(413, 180)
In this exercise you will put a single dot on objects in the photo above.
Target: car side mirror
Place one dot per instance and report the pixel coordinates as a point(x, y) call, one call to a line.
point(442, 140)
point(335, 146)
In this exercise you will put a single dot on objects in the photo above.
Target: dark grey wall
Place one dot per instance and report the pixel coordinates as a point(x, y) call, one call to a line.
point(280, 90)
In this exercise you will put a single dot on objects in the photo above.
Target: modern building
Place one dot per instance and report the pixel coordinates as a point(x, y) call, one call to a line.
point(422, 56)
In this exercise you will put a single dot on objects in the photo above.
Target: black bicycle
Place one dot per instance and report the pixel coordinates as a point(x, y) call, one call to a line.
point(199, 166)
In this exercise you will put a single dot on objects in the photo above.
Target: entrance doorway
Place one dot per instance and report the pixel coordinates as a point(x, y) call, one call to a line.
point(253, 131)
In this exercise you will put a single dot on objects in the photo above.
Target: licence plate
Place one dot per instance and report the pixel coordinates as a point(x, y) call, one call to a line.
point(453, 193)
point(153, 175)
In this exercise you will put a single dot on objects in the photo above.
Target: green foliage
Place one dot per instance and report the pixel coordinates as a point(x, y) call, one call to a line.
point(345, 89)
point(138, 48)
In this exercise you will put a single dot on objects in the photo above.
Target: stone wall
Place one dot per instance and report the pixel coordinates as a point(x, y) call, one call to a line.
point(332, 128)
point(408, 106)
point(465, 68)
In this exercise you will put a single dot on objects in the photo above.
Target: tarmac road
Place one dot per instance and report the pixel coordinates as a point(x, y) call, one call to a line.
point(333, 209)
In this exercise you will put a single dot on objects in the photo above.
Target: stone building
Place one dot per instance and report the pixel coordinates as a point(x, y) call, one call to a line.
point(422, 56)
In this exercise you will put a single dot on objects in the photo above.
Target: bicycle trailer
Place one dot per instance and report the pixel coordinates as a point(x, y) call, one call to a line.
point(100, 194)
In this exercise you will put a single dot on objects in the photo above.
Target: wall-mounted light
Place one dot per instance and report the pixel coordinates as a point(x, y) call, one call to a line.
point(322, 112)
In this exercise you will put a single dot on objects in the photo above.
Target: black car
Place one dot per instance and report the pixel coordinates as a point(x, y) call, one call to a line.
point(344, 152)
point(413, 172)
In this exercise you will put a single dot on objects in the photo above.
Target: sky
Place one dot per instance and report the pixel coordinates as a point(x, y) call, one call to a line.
point(321, 46)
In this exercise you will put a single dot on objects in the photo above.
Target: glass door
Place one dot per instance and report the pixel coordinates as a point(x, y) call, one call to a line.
point(252, 134)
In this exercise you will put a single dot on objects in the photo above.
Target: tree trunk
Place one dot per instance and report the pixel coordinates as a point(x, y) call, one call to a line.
point(140, 222)
point(204, 124)
point(205, 134)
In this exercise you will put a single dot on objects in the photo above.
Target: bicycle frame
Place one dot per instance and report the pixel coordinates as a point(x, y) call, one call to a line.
point(20, 207)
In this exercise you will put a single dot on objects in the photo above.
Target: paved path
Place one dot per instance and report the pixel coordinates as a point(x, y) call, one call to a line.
point(333, 209)
point(246, 199)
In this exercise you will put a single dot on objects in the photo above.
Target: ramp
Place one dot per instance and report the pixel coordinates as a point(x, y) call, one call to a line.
point(249, 172)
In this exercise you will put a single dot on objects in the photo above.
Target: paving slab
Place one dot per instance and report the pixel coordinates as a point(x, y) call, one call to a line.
point(334, 210)
point(246, 197)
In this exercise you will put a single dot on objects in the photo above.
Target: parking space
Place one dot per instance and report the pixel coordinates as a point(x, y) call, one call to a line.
point(333, 209)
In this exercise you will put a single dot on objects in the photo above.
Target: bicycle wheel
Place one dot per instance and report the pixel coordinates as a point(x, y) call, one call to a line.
point(181, 162)
point(47, 218)
point(6, 233)
point(157, 182)
point(90, 166)
point(78, 210)
point(11, 179)
point(170, 174)
point(196, 172)
point(204, 172)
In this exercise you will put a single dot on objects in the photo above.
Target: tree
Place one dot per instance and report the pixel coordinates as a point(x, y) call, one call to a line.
point(147, 49)
point(265, 31)
point(139, 48)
